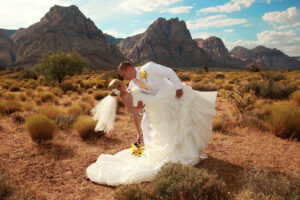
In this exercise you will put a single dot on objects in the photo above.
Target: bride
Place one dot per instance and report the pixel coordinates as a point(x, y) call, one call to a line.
point(180, 130)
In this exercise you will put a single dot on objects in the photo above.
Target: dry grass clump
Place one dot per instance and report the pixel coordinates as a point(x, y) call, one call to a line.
point(18, 117)
point(284, 120)
point(65, 122)
point(176, 181)
point(40, 127)
point(75, 109)
point(39, 88)
point(85, 107)
point(223, 124)
point(101, 84)
point(220, 75)
point(269, 186)
point(228, 86)
point(22, 97)
point(6, 189)
point(47, 97)
point(57, 92)
point(85, 126)
point(269, 89)
point(31, 84)
point(88, 99)
point(98, 95)
point(203, 87)
point(66, 86)
point(197, 78)
point(274, 76)
point(29, 106)
point(30, 93)
point(14, 88)
point(184, 76)
point(5, 86)
point(9, 96)
point(296, 97)
point(67, 102)
point(10, 106)
point(51, 111)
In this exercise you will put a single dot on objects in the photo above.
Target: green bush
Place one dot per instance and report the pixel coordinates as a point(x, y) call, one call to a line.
point(176, 181)
point(40, 127)
point(284, 120)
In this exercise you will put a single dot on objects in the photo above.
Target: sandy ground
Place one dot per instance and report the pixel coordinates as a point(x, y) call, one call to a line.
point(57, 170)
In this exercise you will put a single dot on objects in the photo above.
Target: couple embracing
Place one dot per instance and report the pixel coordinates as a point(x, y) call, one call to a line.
point(176, 123)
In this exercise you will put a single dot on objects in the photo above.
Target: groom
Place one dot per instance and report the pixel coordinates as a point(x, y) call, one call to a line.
point(149, 78)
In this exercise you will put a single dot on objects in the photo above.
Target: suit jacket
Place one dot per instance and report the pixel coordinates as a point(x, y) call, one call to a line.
point(153, 76)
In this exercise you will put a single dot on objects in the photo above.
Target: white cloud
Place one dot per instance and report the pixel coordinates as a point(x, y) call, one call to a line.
point(233, 5)
point(229, 30)
point(141, 6)
point(289, 16)
point(178, 10)
point(202, 35)
point(288, 26)
point(286, 41)
point(15, 14)
point(214, 21)
point(114, 33)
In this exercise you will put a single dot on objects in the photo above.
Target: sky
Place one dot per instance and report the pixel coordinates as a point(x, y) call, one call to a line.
point(247, 23)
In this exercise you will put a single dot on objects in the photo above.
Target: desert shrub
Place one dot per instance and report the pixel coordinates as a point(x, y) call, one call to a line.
point(101, 84)
point(9, 96)
point(197, 78)
point(254, 67)
point(85, 126)
point(184, 77)
point(57, 91)
point(30, 93)
point(65, 86)
point(176, 181)
point(295, 96)
point(29, 106)
point(27, 74)
point(38, 100)
point(40, 127)
point(273, 76)
point(10, 106)
point(47, 97)
point(220, 75)
point(88, 99)
point(5, 85)
point(75, 109)
point(110, 74)
point(51, 111)
point(240, 99)
point(65, 122)
point(284, 120)
point(14, 88)
point(228, 86)
point(6, 189)
point(251, 120)
point(22, 97)
point(98, 95)
point(39, 88)
point(67, 102)
point(31, 84)
point(203, 87)
point(18, 117)
point(267, 185)
point(85, 107)
point(223, 124)
point(269, 89)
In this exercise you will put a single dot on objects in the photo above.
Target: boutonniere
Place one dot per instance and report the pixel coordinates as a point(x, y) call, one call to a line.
point(137, 149)
point(143, 74)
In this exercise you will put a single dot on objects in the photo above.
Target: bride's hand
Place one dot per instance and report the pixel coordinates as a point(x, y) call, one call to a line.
point(140, 106)
point(140, 138)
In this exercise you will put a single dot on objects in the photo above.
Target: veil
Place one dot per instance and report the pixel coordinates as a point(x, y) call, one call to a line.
point(105, 113)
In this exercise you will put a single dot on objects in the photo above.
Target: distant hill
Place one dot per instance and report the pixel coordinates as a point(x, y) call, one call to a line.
point(10, 32)
point(112, 39)
point(272, 58)
point(167, 42)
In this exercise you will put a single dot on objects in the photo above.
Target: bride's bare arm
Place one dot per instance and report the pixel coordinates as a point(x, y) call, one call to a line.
point(128, 102)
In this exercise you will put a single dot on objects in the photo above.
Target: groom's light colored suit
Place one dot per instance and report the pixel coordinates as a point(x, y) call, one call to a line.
point(151, 78)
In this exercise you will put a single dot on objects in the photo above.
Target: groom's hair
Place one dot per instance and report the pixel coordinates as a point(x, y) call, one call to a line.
point(124, 65)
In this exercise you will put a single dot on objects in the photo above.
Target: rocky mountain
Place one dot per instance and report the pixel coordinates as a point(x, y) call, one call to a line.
point(272, 58)
point(167, 42)
point(6, 49)
point(216, 49)
point(10, 31)
point(65, 28)
point(112, 39)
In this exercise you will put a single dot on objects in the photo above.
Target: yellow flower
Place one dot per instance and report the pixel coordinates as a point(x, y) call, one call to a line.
point(137, 150)
point(143, 74)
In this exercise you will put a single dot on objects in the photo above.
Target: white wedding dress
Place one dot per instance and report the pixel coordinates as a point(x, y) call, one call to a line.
point(180, 130)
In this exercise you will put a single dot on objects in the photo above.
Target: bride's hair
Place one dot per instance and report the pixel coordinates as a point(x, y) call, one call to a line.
point(114, 84)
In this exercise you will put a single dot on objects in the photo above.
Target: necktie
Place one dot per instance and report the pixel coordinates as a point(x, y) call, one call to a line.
point(142, 84)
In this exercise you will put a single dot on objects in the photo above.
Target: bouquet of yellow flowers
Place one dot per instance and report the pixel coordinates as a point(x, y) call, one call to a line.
point(137, 149)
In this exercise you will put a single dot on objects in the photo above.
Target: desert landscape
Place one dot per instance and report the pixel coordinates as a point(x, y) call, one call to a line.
point(55, 71)
point(252, 153)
